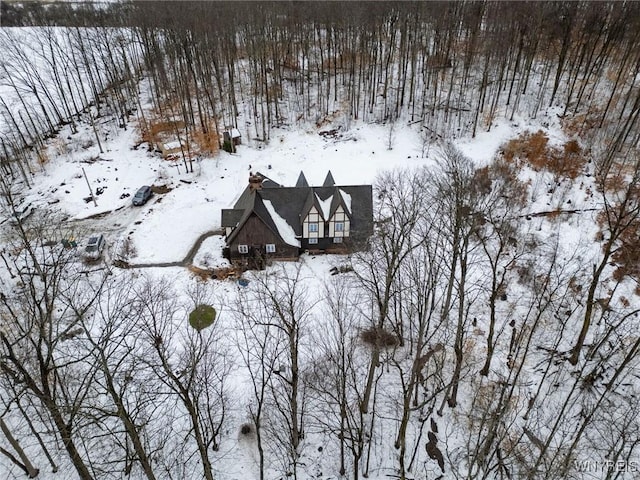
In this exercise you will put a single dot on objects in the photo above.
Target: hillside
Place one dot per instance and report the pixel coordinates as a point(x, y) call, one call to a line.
point(489, 330)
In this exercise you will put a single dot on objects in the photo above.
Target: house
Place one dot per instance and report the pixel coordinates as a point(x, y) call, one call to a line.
point(272, 221)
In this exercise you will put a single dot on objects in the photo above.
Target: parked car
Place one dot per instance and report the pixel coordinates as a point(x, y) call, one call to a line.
point(142, 195)
point(22, 212)
point(94, 248)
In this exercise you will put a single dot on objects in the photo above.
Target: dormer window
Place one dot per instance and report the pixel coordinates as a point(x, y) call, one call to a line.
point(339, 223)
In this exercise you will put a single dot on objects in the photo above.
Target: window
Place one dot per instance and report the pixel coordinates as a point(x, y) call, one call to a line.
point(270, 248)
point(243, 249)
point(313, 227)
point(337, 240)
point(339, 226)
point(313, 241)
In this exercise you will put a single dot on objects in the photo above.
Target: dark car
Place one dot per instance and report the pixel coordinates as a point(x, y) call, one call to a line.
point(142, 195)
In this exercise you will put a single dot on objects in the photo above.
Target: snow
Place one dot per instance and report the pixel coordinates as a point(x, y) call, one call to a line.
point(325, 206)
point(284, 229)
point(210, 253)
point(172, 145)
point(166, 229)
point(346, 198)
point(477, 148)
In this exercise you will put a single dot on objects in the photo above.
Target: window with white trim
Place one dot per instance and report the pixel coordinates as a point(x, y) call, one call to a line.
point(337, 240)
point(243, 249)
point(339, 226)
point(313, 241)
point(313, 227)
point(270, 248)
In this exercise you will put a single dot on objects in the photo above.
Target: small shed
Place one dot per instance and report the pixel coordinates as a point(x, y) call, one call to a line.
point(171, 148)
point(232, 135)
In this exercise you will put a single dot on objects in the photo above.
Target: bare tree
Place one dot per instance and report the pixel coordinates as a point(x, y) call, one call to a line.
point(261, 356)
point(41, 340)
point(122, 376)
point(504, 196)
point(621, 198)
point(188, 361)
point(275, 323)
point(24, 463)
point(338, 374)
point(454, 186)
point(401, 197)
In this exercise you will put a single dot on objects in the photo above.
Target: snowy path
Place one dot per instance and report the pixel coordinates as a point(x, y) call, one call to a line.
point(188, 259)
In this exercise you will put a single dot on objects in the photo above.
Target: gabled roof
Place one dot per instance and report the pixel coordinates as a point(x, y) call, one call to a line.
point(288, 202)
point(329, 181)
point(270, 215)
point(283, 209)
point(231, 217)
point(267, 182)
point(285, 231)
point(309, 202)
point(336, 201)
point(340, 198)
point(245, 200)
point(302, 180)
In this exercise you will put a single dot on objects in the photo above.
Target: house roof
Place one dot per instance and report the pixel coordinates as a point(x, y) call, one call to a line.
point(271, 216)
point(329, 181)
point(267, 182)
point(283, 209)
point(310, 201)
point(244, 200)
point(231, 217)
point(302, 180)
point(233, 132)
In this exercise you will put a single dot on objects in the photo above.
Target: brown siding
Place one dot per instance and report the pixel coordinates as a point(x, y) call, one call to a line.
point(255, 232)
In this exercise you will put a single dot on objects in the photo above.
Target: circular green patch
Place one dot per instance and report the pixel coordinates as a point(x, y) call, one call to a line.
point(202, 317)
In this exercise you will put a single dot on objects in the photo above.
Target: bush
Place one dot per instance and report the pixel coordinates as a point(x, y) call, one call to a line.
point(533, 149)
point(202, 317)
point(379, 338)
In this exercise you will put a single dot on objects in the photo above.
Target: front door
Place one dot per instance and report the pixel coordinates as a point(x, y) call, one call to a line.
point(257, 257)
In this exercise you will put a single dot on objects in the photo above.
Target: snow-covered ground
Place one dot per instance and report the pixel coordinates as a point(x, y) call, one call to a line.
point(167, 227)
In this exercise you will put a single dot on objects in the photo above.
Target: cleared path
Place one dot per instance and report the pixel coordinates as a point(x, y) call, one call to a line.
point(185, 262)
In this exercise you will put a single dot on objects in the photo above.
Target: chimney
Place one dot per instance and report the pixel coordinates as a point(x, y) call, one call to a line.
point(255, 182)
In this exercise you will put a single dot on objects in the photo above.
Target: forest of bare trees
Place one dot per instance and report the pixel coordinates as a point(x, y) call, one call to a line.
point(452, 67)
point(462, 343)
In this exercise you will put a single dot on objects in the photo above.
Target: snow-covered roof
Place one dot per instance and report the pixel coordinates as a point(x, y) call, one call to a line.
point(172, 145)
point(285, 230)
point(325, 206)
point(346, 199)
point(283, 209)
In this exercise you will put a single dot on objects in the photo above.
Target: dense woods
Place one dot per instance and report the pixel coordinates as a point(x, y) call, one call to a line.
point(452, 67)
point(470, 340)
